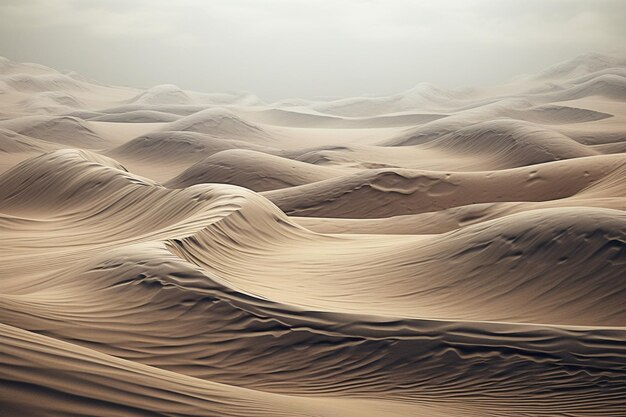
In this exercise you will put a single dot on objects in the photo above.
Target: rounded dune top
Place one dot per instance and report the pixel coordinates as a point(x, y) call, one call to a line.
point(607, 85)
point(44, 82)
point(52, 101)
point(167, 94)
point(65, 130)
point(514, 142)
point(177, 145)
point(583, 64)
point(11, 67)
point(424, 96)
point(219, 122)
point(254, 170)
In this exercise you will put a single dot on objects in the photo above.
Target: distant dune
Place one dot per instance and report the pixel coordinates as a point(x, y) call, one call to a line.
point(137, 116)
point(427, 253)
point(220, 123)
point(63, 130)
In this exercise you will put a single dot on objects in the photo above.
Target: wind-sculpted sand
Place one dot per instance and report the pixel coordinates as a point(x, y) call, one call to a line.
point(432, 253)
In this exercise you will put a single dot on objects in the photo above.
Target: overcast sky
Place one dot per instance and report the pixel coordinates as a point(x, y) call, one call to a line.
point(288, 48)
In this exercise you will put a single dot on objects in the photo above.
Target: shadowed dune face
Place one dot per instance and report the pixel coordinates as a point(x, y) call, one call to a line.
point(430, 253)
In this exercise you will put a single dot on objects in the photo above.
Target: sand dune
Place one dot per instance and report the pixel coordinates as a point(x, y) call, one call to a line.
point(556, 114)
point(400, 191)
point(52, 102)
point(137, 116)
point(582, 65)
point(162, 155)
point(429, 253)
point(282, 117)
point(94, 375)
point(15, 148)
point(163, 94)
point(424, 97)
point(253, 170)
point(8, 67)
point(12, 142)
point(607, 85)
point(176, 109)
point(64, 130)
point(42, 82)
point(512, 143)
point(172, 145)
point(192, 272)
point(517, 110)
point(220, 123)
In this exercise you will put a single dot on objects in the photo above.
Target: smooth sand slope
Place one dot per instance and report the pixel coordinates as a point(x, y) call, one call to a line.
point(430, 253)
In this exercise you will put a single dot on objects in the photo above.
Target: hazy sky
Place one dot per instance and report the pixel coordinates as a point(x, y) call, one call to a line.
point(286, 48)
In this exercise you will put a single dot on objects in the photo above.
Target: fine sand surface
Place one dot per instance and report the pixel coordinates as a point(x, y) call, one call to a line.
point(430, 253)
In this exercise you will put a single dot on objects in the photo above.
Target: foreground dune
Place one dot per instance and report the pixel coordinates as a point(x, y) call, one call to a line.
point(167, 252)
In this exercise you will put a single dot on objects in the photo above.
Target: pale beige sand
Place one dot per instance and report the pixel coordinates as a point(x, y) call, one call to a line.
point(167, 252)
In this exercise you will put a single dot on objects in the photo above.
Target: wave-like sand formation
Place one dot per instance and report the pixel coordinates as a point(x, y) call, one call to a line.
point(64, 130)
point(253, 170)
point(161, 255)
point(163, 94)
point(220, 123)
point(137, 116)
point(512, 143)
point(380, 193)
